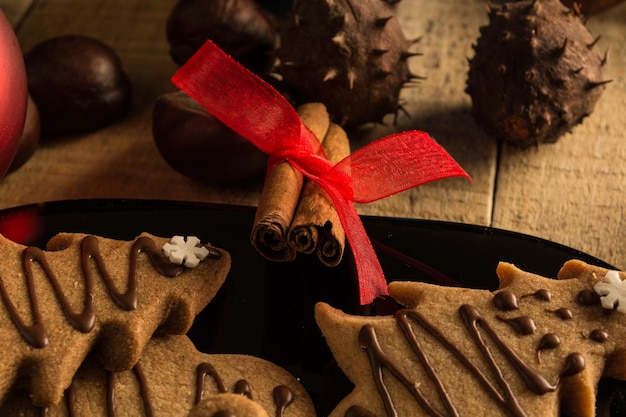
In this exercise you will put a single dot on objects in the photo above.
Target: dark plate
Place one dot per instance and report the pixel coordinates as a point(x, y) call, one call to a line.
point(266, 308)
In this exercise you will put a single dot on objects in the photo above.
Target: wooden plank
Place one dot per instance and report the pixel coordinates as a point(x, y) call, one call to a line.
point(574, 192)
point(15, 10)
point(105, 163)
point(571, 192)
point(440, 106)
point(120, 160)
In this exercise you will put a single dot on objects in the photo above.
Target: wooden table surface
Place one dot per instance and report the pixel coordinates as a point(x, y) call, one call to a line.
point(572, 192)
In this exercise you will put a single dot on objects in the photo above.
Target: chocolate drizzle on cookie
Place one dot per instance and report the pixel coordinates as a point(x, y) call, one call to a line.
point(505, 300)
point(588, 297)
point(478, 327)
point(283, 396)
point(83, 321)
point(548, 341)
point(541, 295)
point(206, 369)
point(564, 313)
point(143, 391)
point(379, 359)
point(523, 325)
point(598, 335)
point(243, 387)
point(70, 395)
point(534, 381)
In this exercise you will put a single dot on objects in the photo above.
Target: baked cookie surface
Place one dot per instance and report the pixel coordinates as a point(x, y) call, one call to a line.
point(87, 293)
point(173, 379)
point(535, 347)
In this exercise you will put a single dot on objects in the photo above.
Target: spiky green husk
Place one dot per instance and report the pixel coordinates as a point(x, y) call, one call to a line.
point(536, 72)
point(350, 55)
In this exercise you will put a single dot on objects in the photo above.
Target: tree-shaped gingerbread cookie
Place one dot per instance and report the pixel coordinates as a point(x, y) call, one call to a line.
point(536, 347)
point(87, 293)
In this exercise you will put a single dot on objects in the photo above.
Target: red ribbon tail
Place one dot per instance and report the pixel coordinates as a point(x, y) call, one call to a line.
point(372, 282)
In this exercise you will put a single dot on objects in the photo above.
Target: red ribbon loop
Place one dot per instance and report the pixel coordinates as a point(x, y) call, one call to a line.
point(256, 111)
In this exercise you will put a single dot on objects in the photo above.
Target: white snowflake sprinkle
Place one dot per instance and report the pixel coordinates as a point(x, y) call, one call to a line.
point(612, 292)
point(187, 251)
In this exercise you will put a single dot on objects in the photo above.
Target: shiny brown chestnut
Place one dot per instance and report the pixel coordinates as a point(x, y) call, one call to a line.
point(199, 146)
point(78, 84)
point(239, 27)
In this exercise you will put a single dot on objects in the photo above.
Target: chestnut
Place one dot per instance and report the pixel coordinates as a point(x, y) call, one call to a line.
point(78, 84)
point(199, 146)
point(240, 27)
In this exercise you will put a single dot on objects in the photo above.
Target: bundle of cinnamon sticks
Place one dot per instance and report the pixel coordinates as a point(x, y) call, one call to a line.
point(295, 214)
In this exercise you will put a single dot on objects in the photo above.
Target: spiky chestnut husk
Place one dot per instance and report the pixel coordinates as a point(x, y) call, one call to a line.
point(350, 55)
point(591, 6)
point(536, 73)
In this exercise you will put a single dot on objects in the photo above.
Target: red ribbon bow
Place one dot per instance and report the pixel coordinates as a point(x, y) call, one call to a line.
point(256, 111)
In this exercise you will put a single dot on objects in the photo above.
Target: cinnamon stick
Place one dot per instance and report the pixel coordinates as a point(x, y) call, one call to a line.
point(280, 195)
point(316, 225)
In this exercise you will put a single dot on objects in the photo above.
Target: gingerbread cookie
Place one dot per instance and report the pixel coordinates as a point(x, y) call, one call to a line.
point(86, 292)
point(173, 379)
point(226, 405)
point(535, 347)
